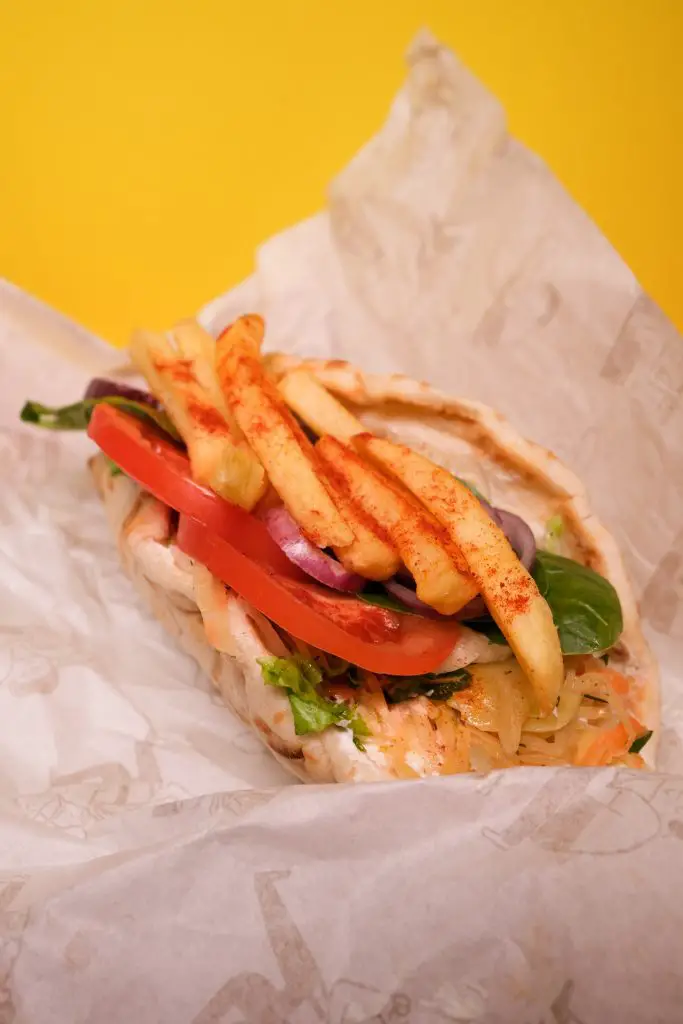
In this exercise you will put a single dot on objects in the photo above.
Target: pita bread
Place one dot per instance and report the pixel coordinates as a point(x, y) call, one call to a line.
point(226, 636)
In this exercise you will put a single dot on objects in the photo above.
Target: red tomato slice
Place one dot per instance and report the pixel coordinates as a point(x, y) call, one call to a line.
point(236, 547)
point(161, 468)
point(373, 638)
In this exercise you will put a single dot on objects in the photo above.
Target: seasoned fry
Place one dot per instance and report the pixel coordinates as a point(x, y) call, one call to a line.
point(371, 553)
point(220, 457)
point(511, 594)
point(196, 344)
point(319, 410)
point(441, 577)
point(248, 331)
point(281, 446)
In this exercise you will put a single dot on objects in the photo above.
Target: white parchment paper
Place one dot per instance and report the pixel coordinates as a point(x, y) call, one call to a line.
point(154, 864)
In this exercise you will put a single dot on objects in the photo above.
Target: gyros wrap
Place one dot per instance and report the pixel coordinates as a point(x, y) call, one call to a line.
point(381, 580)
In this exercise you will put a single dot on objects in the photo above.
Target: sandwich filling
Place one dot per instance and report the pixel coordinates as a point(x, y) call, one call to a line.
point(386, 616)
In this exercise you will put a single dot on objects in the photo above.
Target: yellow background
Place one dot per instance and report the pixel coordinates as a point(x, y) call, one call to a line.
point(147, 146)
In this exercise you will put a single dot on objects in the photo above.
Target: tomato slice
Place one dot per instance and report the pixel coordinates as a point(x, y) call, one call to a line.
point(163, 469)
point(236, 547)
point(373, 638)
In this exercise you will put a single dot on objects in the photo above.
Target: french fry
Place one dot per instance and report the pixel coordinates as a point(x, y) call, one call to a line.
point(220, 457)
point(196, 344)
point(371, 553)
point(319, 410)
point(275, 436)
point(248, 331)
point(441, 577)
point(511, 594)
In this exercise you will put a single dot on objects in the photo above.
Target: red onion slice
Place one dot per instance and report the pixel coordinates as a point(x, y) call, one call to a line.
point(489, 508)
point(519, 534)
point(101, 387)
point(475, 609)
point(410, 599)
point(299, 550)
point(522, 541)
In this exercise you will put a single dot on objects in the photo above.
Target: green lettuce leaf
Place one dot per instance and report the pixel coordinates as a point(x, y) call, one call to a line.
point(300, 679)
point(77, 416)
point(313, 715)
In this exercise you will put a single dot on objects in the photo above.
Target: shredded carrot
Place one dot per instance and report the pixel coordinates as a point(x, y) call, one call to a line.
point(607, 745)
point(600, 749)
point(616, 680)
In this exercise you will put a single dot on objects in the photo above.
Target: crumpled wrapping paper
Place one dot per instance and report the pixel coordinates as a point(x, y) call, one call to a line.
point(154, 866)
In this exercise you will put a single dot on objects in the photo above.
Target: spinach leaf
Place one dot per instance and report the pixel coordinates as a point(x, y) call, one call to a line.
point(639, 742)
point(585, 606)
point(311, 712)
point(489, 628)
point(435, 686)
point(376, 594)
point(77, 416)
